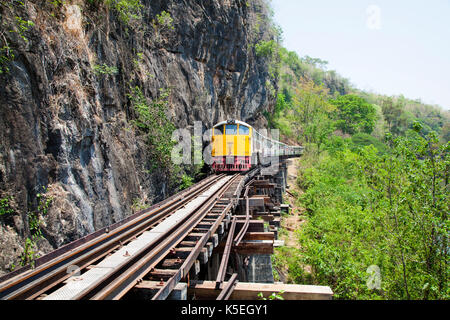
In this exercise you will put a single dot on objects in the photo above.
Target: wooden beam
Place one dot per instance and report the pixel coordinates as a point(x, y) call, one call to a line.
point(285, 208)
point(250, 247)
point(255, 247)
point(158, 274)
point(266, 186)
point(275, 222)
point(147, 289)
point(259, 236)
point(171, 263)
point(194, 236)
point(254, 225)
point(265, 217)
point(256, 201)
point(258, 182)
point(205, 290)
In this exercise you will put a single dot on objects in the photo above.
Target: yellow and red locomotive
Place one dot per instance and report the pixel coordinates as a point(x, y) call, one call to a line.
point(237, 146)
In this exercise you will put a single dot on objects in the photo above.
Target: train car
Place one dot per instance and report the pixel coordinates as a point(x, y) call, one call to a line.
point(237, 146)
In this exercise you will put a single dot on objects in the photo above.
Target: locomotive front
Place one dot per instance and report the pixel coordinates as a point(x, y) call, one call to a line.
point(232, 146)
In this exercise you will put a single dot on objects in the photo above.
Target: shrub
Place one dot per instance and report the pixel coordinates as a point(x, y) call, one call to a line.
point(154, 123)
point(5, 207)
point(361, 140)
point(104, 69)
point(127, 9)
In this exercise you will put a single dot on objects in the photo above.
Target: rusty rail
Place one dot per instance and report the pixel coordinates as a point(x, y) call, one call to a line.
point(129, 277)
point(50, 273)
point(184, 269)
point(32, 283)
point(229, 287)
point(244, 229)
point(226, 255)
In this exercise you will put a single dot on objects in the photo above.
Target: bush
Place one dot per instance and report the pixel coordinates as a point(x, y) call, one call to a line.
point(361, 140)
point(157, 127)
point(354, 114)
point(104, 69)
point(386, 210)
point(5, 207)
point(127, 9)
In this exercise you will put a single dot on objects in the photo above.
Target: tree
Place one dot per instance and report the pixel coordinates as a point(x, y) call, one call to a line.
point(354, 114)
point(445, 136)
point(315, 62)
point(309, 104)
point(392, 112)
point(319, 130)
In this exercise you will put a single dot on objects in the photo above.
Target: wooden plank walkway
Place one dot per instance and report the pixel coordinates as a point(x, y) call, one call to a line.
point(205, 290)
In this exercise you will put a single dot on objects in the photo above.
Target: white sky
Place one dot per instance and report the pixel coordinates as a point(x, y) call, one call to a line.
point(388, 47)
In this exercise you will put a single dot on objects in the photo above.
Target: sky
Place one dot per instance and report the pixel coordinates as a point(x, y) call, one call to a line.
point(387, 47)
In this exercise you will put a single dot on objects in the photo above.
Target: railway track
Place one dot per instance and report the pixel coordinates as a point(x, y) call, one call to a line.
point(172, 221)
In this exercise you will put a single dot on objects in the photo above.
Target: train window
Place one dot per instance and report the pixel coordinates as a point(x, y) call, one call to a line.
point(244, 130)
point(231, 129)
point(218, 131)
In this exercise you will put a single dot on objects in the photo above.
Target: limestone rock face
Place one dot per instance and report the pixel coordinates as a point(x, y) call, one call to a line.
point(69, 129)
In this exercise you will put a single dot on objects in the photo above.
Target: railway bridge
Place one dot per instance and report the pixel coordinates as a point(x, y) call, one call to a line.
point(211, 241)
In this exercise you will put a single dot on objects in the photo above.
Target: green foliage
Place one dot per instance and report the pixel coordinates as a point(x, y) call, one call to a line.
point(5, 206)
point(401, 113)
point(139, 58)
point(445, 136)
point(57, 3)
point(35, 216)
point(310, 114)
point(19, 26)
point(127, 10)
point(23, 26)
point(387, 210)
point(392, 112)
point(369, 202)
point(154, 123)
point(6, 56)
point(186, 181)
point(361, 140)
point(139, 205)
point(273, 296)
point(295, 69)
point(315, 62)
point(104, 69)
point(269, 50)
point(354, 114)
point(289, 258)
point(266, 49)
point(29, 255)
point(162, 23)
point(165, 20)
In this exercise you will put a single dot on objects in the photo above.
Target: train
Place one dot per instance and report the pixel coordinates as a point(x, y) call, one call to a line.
point(237, 146)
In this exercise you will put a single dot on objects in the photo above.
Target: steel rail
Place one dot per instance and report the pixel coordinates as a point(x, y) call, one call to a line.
point(46, 276)
point(170, 284)
point(165, 290)
point(167, 287)
point(126, 277)
point(228, 288)
point(226, 255)
point(241, 234)
point(21, 273)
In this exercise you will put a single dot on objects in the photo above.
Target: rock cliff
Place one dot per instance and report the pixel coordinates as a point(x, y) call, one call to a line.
point(65, 113)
